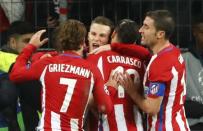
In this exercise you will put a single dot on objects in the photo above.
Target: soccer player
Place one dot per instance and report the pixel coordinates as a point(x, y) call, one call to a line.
point(99, 34)
point(67, 79)
point(125, 115)
point(164, 79)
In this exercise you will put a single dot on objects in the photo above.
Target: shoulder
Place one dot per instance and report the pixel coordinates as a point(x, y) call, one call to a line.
point(170, 55)
point(159, 70)
point(162, 64)
point(6, 60)
point(6, 54)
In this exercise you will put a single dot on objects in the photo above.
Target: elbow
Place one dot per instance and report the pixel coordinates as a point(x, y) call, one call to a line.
point(150, 106)
point(151, 110)
point(153, 113)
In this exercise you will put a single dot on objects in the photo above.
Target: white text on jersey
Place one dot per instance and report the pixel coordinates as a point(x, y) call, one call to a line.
point(124, 60)
point(69, 69)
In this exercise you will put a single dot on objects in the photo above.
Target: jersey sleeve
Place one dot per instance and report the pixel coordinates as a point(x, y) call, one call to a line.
point(132, 50)
point(101, 94)
point(21, 71)
point(160, 71)
point(36, 56)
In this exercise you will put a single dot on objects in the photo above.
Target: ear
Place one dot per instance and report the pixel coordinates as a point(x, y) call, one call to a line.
point(83, 44)
point(113, 34)
point(12, 43)
point(160, 34)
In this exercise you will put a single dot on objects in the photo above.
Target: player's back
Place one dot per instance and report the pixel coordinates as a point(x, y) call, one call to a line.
point(125, 116)
point(67, 82)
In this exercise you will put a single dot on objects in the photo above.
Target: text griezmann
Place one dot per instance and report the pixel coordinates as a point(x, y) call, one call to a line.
point(69, 69)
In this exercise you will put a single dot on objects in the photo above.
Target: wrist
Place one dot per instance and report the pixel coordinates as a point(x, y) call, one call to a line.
point(31, 47)
point(33, 44)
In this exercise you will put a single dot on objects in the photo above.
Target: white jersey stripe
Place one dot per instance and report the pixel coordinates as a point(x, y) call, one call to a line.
point(55, 121)
point(180, 122)
point(74, 124)
point(171, 98)
point(187, 125)
point(105, 123)
point(100, 66)
point(147, 70)
point(138, 119)
point(120, 118)
point(154, 120)
point(90, 93)
point(41, 122)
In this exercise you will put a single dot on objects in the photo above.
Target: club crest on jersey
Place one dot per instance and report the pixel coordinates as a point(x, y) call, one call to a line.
point(154, 88)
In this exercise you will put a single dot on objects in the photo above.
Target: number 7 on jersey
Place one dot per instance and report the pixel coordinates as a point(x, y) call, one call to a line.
point(70, 88)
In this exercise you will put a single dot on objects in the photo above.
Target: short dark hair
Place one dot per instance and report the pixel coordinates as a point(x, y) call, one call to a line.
point(163, 20)
point(70, 35)
point(127, 31)
point(103, 21)
point(20, 28)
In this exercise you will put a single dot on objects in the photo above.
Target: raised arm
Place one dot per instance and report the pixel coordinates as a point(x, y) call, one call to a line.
point(132, 50)
point(21, 71)
point(147, 104)
point(126, 49)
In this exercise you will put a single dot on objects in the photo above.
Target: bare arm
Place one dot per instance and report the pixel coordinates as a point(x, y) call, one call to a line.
point(101, 49)
point(148, 105)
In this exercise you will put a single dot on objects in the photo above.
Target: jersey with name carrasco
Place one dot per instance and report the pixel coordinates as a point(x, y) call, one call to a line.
point(67, 82)
point(125, 115)
point(167, 67)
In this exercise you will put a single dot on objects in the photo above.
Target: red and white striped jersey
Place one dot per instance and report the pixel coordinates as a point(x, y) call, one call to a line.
point(167, 67)
point(67, 82)
point(125, 115)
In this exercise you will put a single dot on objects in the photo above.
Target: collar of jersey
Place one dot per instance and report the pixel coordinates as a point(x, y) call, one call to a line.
point(71, 54)
point(166, 49)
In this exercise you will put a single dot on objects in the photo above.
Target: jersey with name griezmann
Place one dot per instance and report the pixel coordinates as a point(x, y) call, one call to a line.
point(67, 82)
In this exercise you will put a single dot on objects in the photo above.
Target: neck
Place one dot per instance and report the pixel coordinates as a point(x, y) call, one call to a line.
point(160, 45)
